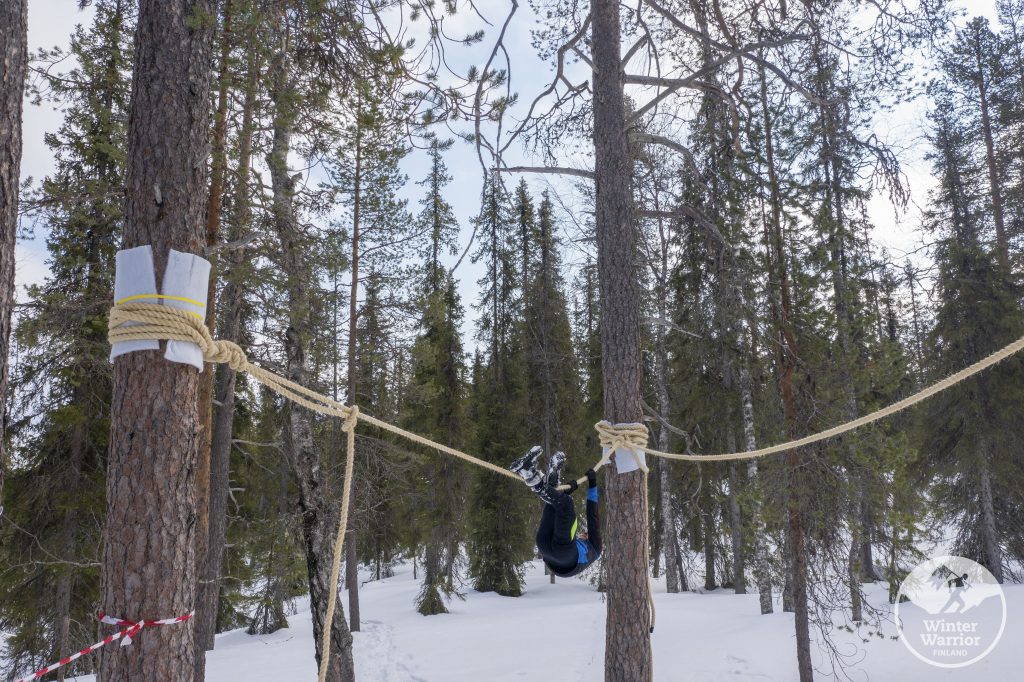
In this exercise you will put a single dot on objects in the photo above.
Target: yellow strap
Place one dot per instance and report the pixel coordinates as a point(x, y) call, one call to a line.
point(142, 297)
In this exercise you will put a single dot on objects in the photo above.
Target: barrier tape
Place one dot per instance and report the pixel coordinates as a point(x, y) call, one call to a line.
point(131, 629)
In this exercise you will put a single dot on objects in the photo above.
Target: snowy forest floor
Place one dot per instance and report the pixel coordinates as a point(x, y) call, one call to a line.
point(556, 632)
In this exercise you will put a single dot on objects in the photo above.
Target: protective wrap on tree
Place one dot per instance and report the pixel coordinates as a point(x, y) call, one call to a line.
point(185, 285)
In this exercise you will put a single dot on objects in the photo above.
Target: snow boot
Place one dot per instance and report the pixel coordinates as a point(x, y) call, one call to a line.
point(526, 467)
point(555, 465)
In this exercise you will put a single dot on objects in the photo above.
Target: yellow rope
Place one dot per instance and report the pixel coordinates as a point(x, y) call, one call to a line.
point(134, 321)
point(346, 493)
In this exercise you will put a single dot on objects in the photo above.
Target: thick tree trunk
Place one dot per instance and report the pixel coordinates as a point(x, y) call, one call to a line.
point(148, 561)
point(224, 392)
point(14, 60)
point(208, 588)
point(627, 640)
point(318, 517)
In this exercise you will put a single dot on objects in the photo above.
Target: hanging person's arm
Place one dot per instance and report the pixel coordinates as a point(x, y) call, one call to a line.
point(593, 513)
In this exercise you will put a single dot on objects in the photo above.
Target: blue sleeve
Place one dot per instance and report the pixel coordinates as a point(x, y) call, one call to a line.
point(592, 494)
point(581, 552)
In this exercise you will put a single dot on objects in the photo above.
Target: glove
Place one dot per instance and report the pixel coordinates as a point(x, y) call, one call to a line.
point(592, 478)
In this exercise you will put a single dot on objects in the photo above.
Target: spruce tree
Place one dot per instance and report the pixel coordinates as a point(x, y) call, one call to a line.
point(499, 529)
point(970, 451)
point(55, 495)
point(553, 378)
point(433, 402)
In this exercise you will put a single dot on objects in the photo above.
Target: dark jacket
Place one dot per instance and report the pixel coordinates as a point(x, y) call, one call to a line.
point(588, 550)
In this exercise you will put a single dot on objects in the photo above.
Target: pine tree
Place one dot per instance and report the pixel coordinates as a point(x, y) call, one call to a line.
point(14, 37)
point(56, 494)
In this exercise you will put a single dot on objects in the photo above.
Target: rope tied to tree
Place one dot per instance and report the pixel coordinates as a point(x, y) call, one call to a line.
point(134, 321)
point(630, 437)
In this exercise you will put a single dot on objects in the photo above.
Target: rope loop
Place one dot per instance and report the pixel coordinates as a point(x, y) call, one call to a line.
point(631, 436)
point(351, 420)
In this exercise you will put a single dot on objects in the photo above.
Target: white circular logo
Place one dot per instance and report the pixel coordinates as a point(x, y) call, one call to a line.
point(950, 611)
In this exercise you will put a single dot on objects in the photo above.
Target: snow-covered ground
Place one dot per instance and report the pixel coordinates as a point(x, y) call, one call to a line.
point(556, 632)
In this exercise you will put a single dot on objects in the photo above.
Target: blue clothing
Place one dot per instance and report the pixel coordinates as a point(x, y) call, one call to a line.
point(592, 494)
point(581, 552)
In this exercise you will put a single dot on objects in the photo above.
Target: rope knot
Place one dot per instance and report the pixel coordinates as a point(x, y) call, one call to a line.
point(351, 419)
point(228, 353)
point(626, 436)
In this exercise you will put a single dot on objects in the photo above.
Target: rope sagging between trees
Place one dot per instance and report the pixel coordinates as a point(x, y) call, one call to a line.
point(132, 321)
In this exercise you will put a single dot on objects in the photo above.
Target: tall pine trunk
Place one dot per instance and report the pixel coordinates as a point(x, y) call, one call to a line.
point(148, 560)
point(351, 556)
point(991, 163)
point(795, 592)
point(206, 599)
point(318, 518)
point(14, 60)
point(224, 390)
point(627, 640)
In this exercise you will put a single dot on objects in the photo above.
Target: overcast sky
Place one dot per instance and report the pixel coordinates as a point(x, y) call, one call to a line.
point(52, 21)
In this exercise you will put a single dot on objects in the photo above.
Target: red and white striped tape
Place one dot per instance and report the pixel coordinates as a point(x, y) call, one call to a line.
point(126, 634)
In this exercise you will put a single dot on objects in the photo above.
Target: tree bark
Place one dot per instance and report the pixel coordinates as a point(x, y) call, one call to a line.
point(206, 599)
point(318, 517)
point(739, 578)
point(14, 56)
point(795, 591)
point(224, 392)
point(351, 556)
point(627, 640)
point(148, 560)
point(69, 526)
point(990, 539)
point(992, 165)
point(762, 573)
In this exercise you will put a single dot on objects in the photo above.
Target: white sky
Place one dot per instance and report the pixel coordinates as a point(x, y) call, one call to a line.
point(52, 21)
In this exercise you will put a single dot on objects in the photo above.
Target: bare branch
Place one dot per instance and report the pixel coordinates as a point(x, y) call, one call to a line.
point(669, 324)
point(633, 50)
point(671, 144)
point(684, 211)
point(550, 170)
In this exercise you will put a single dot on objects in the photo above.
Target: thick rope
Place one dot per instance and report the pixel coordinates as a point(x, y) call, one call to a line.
point(154, 322)
point(346, 494)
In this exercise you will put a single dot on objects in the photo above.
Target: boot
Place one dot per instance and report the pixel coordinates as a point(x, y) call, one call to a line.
point(526, 467)
point(555, 469)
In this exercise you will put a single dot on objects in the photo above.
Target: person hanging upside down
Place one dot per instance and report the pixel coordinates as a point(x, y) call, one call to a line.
point(564, 551)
